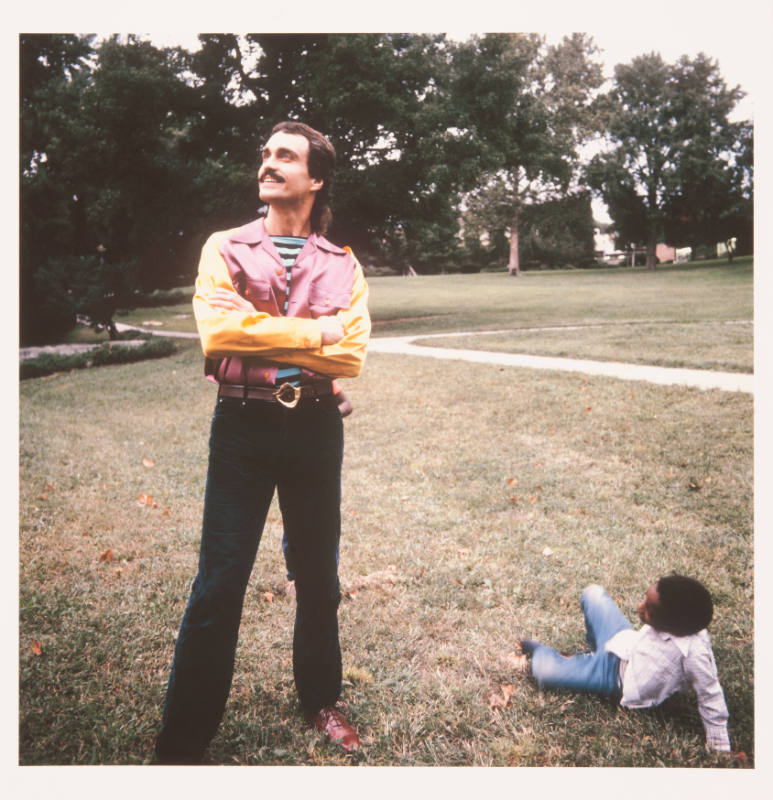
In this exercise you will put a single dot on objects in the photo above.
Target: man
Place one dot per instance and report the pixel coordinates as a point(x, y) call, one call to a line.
point(281, 312)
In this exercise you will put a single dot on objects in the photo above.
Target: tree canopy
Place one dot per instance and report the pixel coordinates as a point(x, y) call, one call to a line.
point(676, 164)
point(131, 155)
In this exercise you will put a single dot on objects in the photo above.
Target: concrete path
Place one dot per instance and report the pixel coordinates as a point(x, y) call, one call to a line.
point(670, 376)
point(667, 376)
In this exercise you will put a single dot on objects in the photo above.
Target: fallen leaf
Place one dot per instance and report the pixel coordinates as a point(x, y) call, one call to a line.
point(148, 462)
point(107, 555)
point(518, 661)
point(37, 648)
point(381, 579)
point(167, 512)
point(547, 552)
point(419, 574)
point(532, 499)
point(497, 701)
point(49, 487)
point(463, 551)
point(269, 596)
point(587, 410)
point(43, 496)
point(352, 594)
point(512, 481)
point(514, 499)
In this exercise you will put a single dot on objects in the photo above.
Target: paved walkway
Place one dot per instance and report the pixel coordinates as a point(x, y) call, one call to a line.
point(670, 376)
point(667, 376)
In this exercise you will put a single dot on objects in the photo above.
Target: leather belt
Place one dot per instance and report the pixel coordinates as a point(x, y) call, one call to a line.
point(286, 394)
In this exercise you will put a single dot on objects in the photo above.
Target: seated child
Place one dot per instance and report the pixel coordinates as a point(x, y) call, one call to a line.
point(670, 652)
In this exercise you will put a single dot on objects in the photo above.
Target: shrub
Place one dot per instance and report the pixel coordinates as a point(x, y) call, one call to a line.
point(49, 363)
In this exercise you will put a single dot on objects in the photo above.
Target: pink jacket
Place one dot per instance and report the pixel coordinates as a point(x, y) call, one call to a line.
point(244, 348)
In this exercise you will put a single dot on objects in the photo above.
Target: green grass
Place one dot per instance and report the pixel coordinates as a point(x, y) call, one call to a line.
point(723, 346)
point(457, 477)
point(177, 317)
point(684, 294)
point(714, 291)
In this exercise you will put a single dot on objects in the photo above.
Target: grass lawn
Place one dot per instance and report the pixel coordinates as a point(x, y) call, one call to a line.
point(478, 503)
point(722, 346)
point(678, 317)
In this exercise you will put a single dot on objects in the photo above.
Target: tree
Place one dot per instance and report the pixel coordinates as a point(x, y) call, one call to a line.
point(670, 165)
point(382, 99)
point(524, 108)
point(104, 170)
point(53, 70)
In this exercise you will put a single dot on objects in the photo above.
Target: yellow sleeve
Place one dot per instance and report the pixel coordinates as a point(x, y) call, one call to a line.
point(229, 333)
point(345, 358)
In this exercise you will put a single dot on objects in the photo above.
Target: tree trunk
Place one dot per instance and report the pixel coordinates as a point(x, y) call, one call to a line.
point(513, 265)
point(651, 247)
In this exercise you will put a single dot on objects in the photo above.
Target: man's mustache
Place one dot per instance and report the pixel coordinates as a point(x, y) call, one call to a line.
point(269, 173)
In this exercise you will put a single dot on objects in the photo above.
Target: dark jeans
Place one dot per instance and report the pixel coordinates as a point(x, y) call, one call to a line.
point(254, 448)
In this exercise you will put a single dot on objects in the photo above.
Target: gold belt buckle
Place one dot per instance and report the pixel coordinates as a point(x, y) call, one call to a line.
point(296, 392)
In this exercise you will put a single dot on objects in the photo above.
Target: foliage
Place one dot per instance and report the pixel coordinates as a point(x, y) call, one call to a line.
point(676, 165)
point(50, 363)
point(101, 172)
point(526, 107)
point(139, 153)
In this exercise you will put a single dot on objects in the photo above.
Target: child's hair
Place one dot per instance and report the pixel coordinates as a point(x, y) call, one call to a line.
point(684, 605)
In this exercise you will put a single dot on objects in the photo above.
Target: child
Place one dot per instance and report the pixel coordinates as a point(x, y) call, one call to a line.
point(640, 669)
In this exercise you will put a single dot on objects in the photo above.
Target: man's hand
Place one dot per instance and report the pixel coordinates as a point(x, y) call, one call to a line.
point(332, 330)
point(226, 300)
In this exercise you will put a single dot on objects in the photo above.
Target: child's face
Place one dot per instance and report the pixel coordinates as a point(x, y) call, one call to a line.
point(648, 608)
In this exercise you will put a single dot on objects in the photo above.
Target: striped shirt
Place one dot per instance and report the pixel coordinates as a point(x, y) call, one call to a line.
point(288, 248)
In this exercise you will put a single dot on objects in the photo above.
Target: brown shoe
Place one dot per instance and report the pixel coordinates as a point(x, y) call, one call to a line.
point(333, 724)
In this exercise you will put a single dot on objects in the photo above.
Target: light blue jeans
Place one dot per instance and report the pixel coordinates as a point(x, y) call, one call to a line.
point(597, 671)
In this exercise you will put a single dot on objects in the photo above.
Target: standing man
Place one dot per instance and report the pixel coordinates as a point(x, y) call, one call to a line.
point(281, 312)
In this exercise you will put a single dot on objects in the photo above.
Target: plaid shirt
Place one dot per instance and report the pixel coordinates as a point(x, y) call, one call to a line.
point(656, 664)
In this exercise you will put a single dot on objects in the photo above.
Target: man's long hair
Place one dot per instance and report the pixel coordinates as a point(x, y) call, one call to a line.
point(322, 162)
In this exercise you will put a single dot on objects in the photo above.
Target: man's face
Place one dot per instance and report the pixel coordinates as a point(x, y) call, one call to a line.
point(648, 608)
point(283, 176)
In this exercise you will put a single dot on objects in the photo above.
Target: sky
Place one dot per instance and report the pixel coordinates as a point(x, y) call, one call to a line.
point(737, 33)
point(739, 63)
